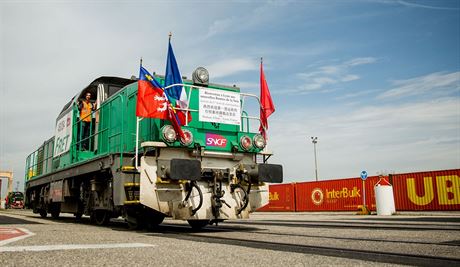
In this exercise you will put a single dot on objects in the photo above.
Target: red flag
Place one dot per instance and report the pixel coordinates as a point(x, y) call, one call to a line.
point(266, 103)
point(151, 102)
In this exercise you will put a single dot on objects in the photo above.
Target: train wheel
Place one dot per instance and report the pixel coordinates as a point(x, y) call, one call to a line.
point(135, 222)
point(78, 215)
point(55, 210)
point(198, 224)
point(154, 221)
point(43, 213)
point(100, 217)
point(55, 213)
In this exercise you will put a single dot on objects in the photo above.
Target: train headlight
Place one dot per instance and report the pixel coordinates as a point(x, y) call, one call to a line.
point(168, 133)
point(188, 140)
point(245, 142)
point(200, 76)
point(259, 141)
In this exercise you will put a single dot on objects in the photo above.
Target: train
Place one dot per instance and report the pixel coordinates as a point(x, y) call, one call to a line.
point(139, 169)
point(14, 200)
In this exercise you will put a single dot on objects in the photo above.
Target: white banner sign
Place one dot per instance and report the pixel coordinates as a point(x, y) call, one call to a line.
point(219, 106)
point(63, 134)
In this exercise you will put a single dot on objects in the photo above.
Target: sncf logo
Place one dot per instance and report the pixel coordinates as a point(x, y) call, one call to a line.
point(215, 140)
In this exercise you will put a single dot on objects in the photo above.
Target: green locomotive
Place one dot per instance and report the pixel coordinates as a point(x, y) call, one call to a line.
point(139, 169)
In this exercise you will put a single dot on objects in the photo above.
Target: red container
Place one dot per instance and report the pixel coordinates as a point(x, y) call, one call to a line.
point(281, 197)
point(335, 195)
point(434, 190)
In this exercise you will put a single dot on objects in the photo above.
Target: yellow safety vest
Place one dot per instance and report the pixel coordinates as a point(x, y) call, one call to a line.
point(85, 113)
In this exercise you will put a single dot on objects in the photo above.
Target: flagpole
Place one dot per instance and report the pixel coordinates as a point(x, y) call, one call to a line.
point(137, 143)
point(172, 113)
point(261, 106)
point(137, 134)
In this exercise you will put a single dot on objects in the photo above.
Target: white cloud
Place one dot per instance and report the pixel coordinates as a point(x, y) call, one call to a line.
point(356, 94)
point(248, 85)
point(360, 61)
point(329, 69)
point(437, 83)
point(247, 19)
point(220, 26)
point(231, 66)
point(409, 4)
point(350, 77)
point(328, 75)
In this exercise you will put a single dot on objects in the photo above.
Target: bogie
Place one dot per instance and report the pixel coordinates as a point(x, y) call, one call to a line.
point(101, 217)
point(43, 213)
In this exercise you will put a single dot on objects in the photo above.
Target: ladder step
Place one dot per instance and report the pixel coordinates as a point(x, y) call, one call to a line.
point(132, 184)
point(132, 202)
point(129, 169)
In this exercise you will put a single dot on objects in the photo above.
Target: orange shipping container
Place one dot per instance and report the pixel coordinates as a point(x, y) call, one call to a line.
point(281, 198)
point(434, 190)
point(335, 195)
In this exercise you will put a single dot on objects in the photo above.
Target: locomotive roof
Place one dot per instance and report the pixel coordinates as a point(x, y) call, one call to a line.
point(92, 87)
point(122, 82)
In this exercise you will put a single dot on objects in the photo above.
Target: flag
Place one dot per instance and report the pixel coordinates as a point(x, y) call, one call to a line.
point(176, 93)
point(266, 103)
point(172, 75)
point(151, 102)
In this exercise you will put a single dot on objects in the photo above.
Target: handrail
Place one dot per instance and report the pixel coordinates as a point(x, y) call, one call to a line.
point(33, 162)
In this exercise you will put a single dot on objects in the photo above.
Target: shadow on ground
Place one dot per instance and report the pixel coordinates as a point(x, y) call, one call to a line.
point(11, 220)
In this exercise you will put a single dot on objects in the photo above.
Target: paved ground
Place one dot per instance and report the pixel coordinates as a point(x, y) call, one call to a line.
point(267, 239)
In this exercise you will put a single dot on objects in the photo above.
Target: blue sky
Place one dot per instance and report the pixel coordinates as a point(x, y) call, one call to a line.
point(378, 81)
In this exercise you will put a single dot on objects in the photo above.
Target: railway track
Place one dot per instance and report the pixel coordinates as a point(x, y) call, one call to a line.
point(356, 254)
point(360, 225)
point(262, 235)
point(428, 243)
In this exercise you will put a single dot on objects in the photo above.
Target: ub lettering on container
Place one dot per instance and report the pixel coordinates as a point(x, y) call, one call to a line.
point(434, 190)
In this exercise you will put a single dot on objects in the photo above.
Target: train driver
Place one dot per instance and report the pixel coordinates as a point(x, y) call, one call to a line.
point(86, 107)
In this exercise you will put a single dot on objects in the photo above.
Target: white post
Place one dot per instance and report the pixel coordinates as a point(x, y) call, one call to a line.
point(314, 140)
point(137, 142)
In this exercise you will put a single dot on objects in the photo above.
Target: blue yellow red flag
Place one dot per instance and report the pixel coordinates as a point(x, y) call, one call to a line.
point(151, 101)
